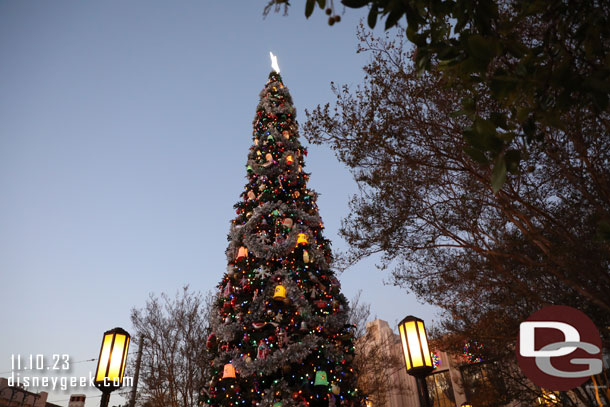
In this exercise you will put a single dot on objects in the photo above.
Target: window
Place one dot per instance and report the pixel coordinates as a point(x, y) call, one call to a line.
point(484, 385)
point(440, 389)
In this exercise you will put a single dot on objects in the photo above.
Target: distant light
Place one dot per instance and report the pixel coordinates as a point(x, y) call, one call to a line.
point(274, 64)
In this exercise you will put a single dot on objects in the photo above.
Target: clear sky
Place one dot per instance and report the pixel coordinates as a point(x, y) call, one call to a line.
point(124, 130)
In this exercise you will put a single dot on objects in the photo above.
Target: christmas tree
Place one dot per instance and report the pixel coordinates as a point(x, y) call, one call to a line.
point(280, 333)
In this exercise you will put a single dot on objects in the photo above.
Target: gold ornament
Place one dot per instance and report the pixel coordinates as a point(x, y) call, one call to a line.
point(302, 239)
point(280, 293)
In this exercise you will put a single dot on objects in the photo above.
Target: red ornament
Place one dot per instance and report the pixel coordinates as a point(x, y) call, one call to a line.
point(211, 342)
point(321, 304)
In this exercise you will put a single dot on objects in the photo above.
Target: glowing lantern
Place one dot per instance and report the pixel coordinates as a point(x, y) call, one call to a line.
point(289, 160)
point(415, 346)
point(321, 378)
point(301, 239)
point(242, 253)
point(305, 256)
point(229, 372)
point(112, 360)
point(280, 293)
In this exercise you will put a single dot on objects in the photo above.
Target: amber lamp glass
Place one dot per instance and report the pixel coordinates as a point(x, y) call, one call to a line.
point(112, 360)
point(415, 346)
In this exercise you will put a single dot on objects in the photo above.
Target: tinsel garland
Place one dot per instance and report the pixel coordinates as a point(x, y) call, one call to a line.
point(277, 342)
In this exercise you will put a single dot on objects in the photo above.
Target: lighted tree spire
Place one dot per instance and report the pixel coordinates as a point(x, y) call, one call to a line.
point(274, 64)
point(280, 319)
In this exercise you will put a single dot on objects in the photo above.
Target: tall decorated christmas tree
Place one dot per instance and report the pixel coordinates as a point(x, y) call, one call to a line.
point(280, 333)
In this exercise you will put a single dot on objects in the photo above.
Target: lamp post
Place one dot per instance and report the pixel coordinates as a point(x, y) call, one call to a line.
point(111, 362)
point(417, 354)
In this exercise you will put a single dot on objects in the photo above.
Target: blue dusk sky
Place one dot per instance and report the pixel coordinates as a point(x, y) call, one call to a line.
point(124, 130)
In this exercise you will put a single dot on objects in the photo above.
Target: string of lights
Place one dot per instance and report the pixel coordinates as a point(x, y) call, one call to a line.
point(279, 323)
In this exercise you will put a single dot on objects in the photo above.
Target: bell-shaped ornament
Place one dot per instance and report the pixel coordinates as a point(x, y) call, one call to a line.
point(321, 378)
point(301, 238)
point(280, 293)
point(229, 372)
point(242, 253)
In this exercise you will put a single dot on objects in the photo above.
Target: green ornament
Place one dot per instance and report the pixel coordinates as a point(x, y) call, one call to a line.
point(277, 404)
point(249, 169)
point(321, 378)
point(270, 138)
point(275, 212)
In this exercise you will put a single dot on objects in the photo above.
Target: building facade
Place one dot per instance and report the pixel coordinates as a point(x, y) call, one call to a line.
point(13, 396)
point(394, 387)
point(455, 379)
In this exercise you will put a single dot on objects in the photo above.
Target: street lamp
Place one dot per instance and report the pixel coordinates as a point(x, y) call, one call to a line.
point(111, 362)
point(417, 354)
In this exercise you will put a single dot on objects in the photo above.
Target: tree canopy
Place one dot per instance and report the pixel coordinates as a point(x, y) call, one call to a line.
point(489, 259)
point(173, 358)
point(520, 66)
